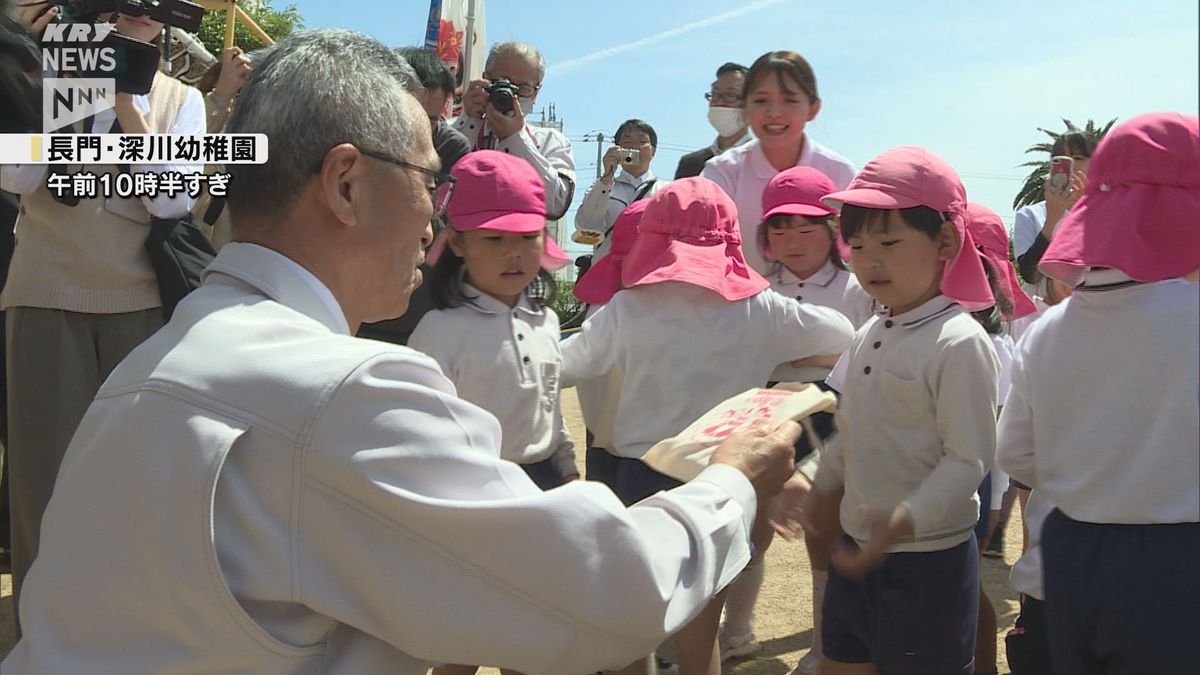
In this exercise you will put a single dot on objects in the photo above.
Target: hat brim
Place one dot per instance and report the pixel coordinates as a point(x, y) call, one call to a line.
point(805, 210)
point(1146, 231)
point(499, 221)
point(601, 281)
point(553, 257)
point(717, 266)
point(869, 198)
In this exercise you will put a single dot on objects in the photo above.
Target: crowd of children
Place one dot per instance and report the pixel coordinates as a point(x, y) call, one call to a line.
point(897, 293)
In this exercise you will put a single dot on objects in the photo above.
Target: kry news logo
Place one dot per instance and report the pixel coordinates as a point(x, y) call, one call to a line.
point(76, 49)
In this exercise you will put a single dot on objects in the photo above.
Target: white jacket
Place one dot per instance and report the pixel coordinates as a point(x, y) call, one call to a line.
point(362, 522)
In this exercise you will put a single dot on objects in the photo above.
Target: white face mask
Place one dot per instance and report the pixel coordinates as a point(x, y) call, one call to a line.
point(526, 105)
point(727, 121)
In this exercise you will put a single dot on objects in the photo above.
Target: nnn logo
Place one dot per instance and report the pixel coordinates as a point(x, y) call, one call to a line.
point(68, 100)
point(76, 49)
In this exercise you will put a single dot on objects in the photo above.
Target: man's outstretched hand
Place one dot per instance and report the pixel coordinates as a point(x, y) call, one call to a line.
point(765, 455)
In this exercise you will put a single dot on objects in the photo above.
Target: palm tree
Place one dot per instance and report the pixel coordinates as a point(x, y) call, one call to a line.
point(1033, 191)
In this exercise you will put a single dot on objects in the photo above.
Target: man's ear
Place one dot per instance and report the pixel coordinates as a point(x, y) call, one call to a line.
point(340, 182)
point(454, 240)
point(948, 240)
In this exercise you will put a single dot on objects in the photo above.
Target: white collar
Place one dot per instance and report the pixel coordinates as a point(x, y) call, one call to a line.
point(822, 277)
point(274, 273)
point(486, 304)
point(925, 312)
point(638, 181)
point(763, 168)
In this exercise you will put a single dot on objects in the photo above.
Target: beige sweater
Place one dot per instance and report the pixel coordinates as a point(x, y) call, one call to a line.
point(86, 258)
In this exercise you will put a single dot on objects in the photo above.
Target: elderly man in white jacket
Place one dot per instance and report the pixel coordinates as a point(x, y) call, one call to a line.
point(254, 490)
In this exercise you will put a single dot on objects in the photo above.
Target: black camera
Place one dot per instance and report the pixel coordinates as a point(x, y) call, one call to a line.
point(178, 13)
point(502, 94)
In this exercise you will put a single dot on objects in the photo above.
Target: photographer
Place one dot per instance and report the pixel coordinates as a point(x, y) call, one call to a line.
point(613, 191)
point(81, 292)
point(514, 73)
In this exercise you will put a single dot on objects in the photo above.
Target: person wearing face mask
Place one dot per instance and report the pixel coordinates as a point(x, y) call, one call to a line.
point(725, 115)
point(614, 190)
point(781, 100)
point(81, 292)
point(548, 150)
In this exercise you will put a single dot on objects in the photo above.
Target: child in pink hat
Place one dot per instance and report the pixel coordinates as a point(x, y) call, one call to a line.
point(1102, 420)
point(918, 410)
point(693, 326)
point(492, 331)
point(798, 239)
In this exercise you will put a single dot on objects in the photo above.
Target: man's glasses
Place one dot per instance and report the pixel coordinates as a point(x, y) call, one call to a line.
point(443, 183)
point(713, 96)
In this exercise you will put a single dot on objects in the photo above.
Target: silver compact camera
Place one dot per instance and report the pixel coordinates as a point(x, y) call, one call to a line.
point(631, 156)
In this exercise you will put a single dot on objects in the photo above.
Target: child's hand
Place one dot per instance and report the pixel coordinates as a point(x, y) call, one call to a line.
point(885, 529)
point(785, 511)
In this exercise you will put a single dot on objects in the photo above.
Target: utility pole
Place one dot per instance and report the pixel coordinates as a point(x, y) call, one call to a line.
point(597, 136)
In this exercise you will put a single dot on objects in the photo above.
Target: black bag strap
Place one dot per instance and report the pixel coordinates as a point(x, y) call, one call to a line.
point(639, 195)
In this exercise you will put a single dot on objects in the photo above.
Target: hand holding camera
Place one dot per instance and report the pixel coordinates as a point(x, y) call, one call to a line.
point(618, 156)
point(497, 103)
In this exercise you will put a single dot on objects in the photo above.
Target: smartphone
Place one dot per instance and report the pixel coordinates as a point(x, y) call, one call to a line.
point(1061, 170)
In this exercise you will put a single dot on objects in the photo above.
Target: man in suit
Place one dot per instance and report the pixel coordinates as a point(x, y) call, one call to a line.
point(725, 103)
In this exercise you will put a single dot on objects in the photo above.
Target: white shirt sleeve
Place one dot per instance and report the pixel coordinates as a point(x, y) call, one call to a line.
point(723, 174)
point(1026, 225)
point(592, 351)
point(592, 214)
point(1014, 446)
point(412, 530)
point(554, 162)
point(190, 121)
point(802, 330)
point(430, 339)
point(966, 421)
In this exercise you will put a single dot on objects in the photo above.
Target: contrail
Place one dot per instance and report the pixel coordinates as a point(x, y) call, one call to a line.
point(569, 64)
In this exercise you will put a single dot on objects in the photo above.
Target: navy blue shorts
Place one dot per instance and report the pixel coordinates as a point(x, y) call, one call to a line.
point(1121, 598)
point(1026, 645)
point(914, 615)
point(630, 479)
point(548, 473)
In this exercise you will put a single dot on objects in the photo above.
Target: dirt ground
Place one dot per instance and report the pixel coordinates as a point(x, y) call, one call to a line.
point(783, 621)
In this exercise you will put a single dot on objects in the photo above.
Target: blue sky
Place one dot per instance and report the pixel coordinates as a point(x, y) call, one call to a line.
point(972, 81)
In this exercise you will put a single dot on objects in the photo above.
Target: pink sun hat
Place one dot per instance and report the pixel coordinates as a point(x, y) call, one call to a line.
point(603, 279)
point(1140, 211)
point(499, 192)
point(991, 239)
point(909, 176)
point(689, 233)
point(797, 192)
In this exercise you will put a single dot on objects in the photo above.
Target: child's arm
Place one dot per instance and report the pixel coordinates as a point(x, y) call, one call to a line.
point(593, 350)
point(802, 330)
point(1014, 446)
point(564, 454)
point(965, 400)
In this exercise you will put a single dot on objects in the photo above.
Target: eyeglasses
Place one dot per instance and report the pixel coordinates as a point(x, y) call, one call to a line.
point(526, 89)
point(723, 98)
point(443, 183)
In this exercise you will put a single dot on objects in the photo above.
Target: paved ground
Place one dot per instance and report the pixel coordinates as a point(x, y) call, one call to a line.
point(784, 619)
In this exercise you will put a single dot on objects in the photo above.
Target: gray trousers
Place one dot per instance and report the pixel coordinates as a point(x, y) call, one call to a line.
point(56, 360)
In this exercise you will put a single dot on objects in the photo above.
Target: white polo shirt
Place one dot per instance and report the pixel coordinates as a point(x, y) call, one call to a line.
point(743, 172)
point(918, 423)
point(1103, 413)
point(505, 360)
point(828, 287)
point(683, 349)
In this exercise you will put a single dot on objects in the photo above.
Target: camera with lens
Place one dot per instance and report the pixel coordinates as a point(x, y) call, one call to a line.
point(502, 94)
point(181, 14)
point(630, 156)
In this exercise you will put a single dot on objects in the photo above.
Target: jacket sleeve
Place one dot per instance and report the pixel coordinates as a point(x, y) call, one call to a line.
point(592, 214)
point(410, 529)
point(554, 161)
point(592, 351)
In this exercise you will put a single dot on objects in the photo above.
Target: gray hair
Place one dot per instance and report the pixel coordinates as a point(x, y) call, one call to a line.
point(525, 51)
point(314, 90)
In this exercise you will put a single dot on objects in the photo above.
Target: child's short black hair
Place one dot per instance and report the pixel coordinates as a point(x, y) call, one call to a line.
point(920, 218)
point(779, 221)
point(446, 284)
point(992, 318)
